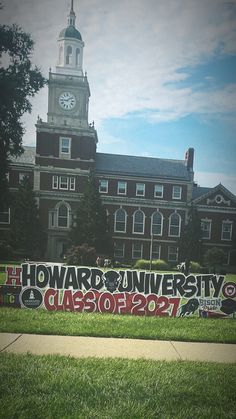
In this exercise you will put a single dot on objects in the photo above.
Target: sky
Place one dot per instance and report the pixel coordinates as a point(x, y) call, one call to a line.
point(162, 75)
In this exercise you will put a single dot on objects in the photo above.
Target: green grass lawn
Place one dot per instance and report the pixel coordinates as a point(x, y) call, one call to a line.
point(64, 387)
point(111, 325)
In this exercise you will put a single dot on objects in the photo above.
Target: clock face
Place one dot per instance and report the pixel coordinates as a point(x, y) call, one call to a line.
point(67, 101)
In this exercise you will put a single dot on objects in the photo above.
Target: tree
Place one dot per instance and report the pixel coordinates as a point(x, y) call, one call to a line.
point(81, 255)
point(27, 235)
point(215, 258)
point(190, 241)
point(19, 81)
point(91, 226)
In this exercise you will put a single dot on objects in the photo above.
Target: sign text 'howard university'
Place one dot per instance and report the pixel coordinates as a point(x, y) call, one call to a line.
point(83, 289)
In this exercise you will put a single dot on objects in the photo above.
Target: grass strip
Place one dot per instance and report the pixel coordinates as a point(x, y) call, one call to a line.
point(122, 326)
point(64, 387)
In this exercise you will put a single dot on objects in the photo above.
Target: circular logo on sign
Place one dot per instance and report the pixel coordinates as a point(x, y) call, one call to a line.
point(31, 298)
point(229, 290)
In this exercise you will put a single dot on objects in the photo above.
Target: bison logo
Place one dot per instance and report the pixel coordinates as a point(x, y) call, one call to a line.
point(111, 280)
point(189, 308)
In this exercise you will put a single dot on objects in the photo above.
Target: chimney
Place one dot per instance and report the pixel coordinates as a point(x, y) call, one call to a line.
point(189, 155)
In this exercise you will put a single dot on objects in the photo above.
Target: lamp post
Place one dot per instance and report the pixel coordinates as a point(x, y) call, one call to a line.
point(151, 245)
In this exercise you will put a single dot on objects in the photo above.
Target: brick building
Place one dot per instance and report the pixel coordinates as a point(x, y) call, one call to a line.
point(147, 199)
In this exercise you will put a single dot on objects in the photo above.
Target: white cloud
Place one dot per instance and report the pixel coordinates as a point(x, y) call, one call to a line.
point(134, 49)
point(211, 179)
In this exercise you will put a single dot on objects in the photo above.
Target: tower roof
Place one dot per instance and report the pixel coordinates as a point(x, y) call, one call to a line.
point(70, 31)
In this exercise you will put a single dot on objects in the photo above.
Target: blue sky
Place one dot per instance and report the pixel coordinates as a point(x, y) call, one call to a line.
point(162, 75)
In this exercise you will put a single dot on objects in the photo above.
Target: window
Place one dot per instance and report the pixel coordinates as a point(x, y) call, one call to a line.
point(174, 225)
point(61, 55)
point(119, 250)
point(103, 186)
point(64, 180)
point(120, 221)
point(172, 253)
point(5, 216)
point(72, 184)
point(226, 232)
point(138, 222)
point(157, 223)
point(63, 216)
point(156, 251)
point(55, 182)
point(77, 56)
point(122, 187)
point(137, 251)
point(176, 192)
point(68, 54)
point(65, 145)
point(140, 189)
point(158, 191)
point(206, 229)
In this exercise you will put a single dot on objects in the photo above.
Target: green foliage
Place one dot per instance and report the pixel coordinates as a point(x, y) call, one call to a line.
point(215, 257)
point(195, 267)
point(19, 81)
point(81, 256)
point(157, 265)
point(27, 236)
point(190, 241)
point(92, 225)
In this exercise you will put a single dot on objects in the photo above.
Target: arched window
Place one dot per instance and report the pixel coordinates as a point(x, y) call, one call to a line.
point(77, 56)
point(120, 220)
point(138, 222)
point(68, 54)
point(174, 225)
point(157, 223)
point(61, 55)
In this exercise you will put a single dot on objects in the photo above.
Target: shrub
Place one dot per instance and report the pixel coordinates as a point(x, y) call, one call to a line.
point(195, 267)
point(157, 265)
point(214, 258)
point(81, 255)
point(6, 251)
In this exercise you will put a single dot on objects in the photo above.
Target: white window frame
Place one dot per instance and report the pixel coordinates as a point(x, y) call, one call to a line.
point(209, 222)
point(140, 189)
point(230, 223)
point(170, 225)
point(65, 154)
point(135, 250)
point(119, 187)
point(120, 246)
point(72, 183)
point(179, 195)
point(156, 192)
point(103, 186)
point(115, 221)
point(61, 182)
point(55, 182)
point(6, 214)
point(143, 229)
point(173, 253)
point(152, 233)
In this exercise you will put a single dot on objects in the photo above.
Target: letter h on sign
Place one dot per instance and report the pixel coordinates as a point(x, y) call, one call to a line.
point(13, 276)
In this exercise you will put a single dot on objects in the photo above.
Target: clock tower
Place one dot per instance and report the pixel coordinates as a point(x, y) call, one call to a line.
point(67, 135)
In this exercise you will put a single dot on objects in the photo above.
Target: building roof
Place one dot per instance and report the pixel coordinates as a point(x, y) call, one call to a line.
point(70, 32)
point(141, 166)
point(27, 157)
point(199, 191)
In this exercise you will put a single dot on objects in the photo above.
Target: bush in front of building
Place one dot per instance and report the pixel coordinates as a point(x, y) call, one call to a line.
point(157, 265)
point(83, 255)
point(195, 267)
point(214, 259)
point(6, 251)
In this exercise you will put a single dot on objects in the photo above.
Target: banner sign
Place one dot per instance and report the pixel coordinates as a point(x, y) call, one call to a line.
point(83, 289)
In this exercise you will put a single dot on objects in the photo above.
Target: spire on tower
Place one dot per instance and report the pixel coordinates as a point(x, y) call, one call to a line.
point(71, 16)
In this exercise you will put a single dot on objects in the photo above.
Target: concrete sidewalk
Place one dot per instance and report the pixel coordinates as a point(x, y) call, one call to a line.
point(79, 346)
